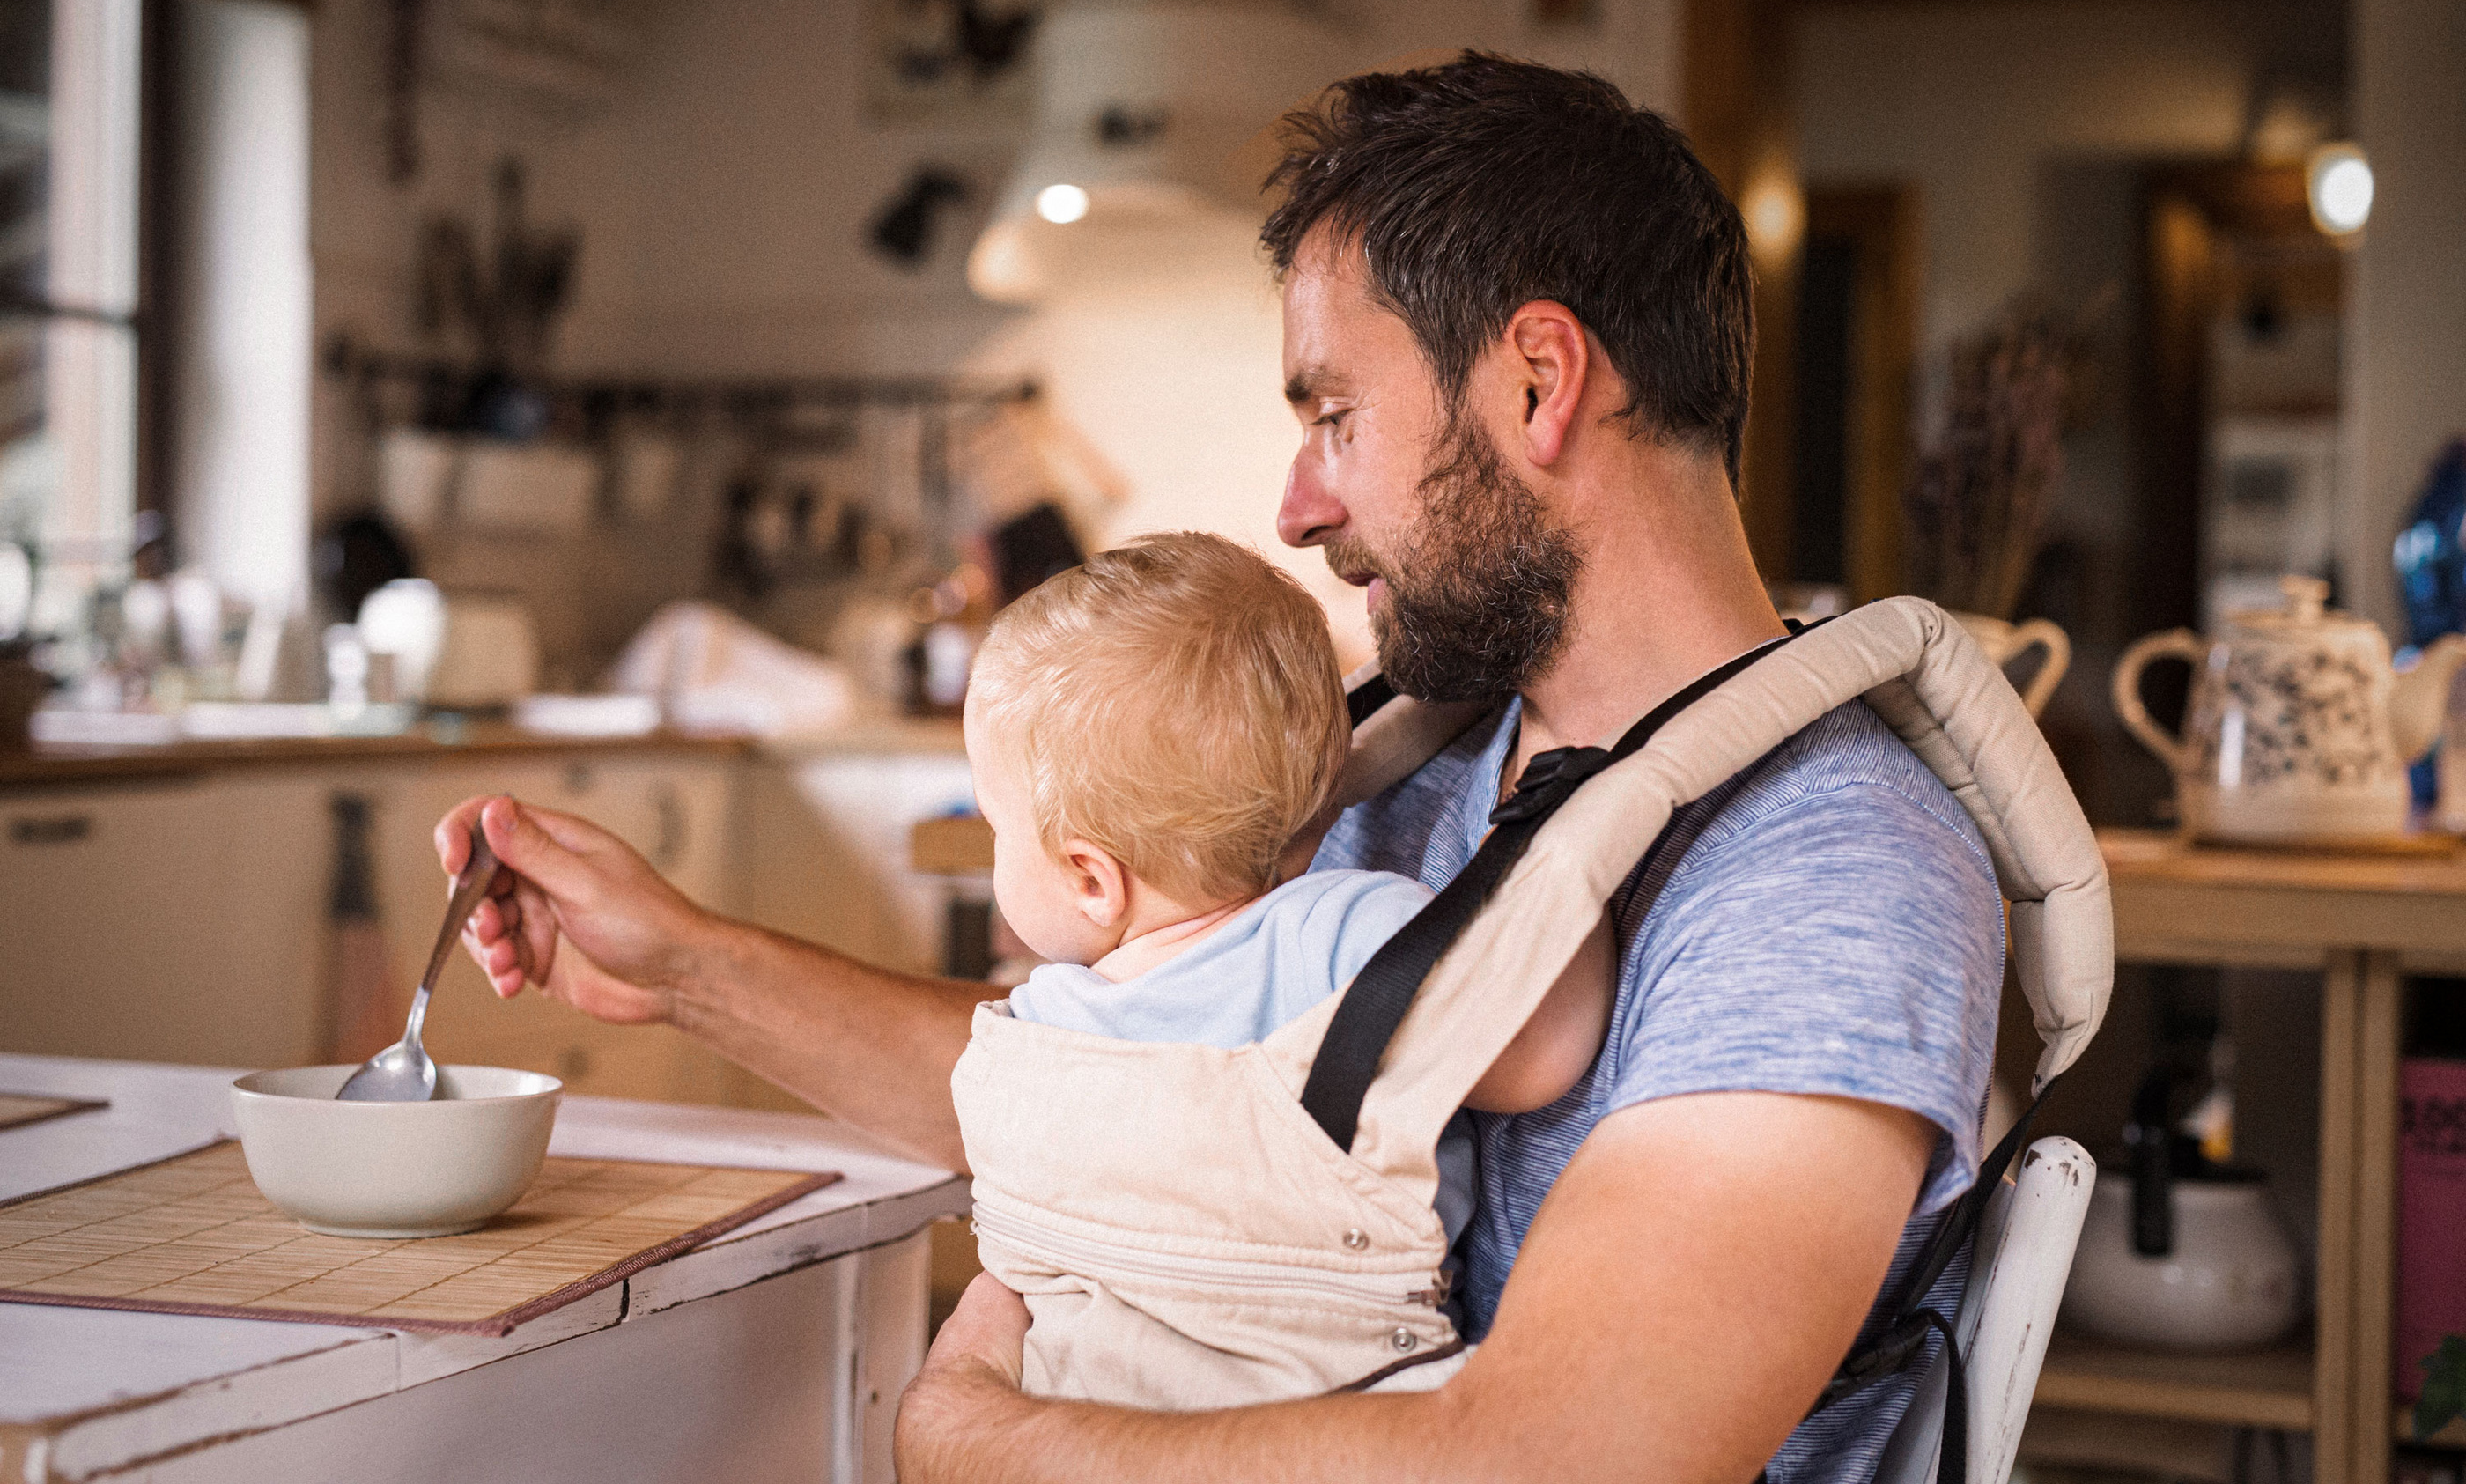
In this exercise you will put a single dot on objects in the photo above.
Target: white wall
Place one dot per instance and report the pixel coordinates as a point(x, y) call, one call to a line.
point(724, 201)
point(2405, 372)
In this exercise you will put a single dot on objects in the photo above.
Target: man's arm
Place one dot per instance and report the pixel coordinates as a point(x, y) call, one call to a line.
point(585, 918)
point(1687, 1288)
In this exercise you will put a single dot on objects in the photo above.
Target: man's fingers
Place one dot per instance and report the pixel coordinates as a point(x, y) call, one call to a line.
point(494, 942)
point(527, 840)
point(989, 1325)
point(499, 963)
point(532, 931)
point(453, 835)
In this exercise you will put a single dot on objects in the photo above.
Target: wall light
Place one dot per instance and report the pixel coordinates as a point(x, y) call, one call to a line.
point(1775, 213)
point(2338, 180)
point(1061, 204)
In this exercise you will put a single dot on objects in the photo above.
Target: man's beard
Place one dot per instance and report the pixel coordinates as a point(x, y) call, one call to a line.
point(1476, 602)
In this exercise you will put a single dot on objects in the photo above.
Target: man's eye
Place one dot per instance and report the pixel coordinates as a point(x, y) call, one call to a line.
point(1331, 418)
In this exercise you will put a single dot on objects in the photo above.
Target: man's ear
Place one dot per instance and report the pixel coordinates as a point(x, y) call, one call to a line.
point(1552, 361)
point(1099, 887)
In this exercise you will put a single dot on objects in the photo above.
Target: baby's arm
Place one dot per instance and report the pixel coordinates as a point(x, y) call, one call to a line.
point(1561, 1040)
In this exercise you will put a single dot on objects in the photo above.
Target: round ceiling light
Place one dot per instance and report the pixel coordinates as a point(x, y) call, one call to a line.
point(2339, 181)
point(1061, 204)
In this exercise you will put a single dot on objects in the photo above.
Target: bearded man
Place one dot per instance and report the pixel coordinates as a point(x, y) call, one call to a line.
point(1517, 330)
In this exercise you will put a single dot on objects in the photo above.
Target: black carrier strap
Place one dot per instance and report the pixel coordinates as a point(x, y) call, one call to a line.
point(1367, 1019)
point(1367, 697)
point(1375, 1005)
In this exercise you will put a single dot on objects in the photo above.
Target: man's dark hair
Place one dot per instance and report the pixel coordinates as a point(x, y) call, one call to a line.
point(1475, 188)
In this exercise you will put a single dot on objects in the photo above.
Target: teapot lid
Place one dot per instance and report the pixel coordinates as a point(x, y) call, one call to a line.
point(2306, 610)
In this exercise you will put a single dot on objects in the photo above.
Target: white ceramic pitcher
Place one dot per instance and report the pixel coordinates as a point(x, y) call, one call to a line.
point(2005, 643)
point(2299, 730)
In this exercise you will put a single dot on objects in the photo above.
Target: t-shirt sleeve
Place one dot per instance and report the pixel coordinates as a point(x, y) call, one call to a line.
point(1849, 943)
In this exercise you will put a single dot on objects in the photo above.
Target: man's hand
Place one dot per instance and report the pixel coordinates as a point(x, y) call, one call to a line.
point(970, 1374)
point(578, 913)
point(985, 1335)
point(1691, 1280)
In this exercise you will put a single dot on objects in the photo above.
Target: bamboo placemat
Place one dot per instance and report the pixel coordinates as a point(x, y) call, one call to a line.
point(23, 1107)
point(191, 1234)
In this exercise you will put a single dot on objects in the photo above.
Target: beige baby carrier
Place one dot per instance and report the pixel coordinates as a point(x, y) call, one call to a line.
point(1198, 1228)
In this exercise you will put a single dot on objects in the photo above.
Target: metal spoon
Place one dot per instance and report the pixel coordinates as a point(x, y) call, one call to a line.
point(402, 1072)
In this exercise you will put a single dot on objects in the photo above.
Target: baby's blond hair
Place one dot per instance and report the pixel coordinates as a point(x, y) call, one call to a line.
point(1176, 702)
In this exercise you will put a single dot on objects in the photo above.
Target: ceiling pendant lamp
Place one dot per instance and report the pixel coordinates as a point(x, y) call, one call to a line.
point(1149, 133)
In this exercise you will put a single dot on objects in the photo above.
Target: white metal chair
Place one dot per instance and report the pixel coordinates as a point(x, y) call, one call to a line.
point(2024, 1254)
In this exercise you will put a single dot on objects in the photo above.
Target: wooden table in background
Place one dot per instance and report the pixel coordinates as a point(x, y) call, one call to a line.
point(2361, 921)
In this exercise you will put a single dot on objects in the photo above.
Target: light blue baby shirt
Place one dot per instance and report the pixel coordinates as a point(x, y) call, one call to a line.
point(1265, 967)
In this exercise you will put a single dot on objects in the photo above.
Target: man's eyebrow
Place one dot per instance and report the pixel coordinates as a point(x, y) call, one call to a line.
point(1309, 384)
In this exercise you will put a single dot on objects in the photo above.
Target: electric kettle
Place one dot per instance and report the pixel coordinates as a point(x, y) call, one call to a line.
point(2180, 1250)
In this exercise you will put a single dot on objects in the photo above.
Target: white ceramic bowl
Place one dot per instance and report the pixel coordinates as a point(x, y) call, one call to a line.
point(394, 1169)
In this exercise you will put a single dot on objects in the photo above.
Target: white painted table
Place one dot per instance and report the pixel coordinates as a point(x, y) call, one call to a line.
point(776, 1352)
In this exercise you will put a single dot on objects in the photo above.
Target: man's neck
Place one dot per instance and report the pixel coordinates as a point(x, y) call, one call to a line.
point(1669, 592)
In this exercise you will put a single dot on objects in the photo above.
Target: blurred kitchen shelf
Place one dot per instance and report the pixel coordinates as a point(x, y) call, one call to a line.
point(954, 846)
point(2264, 1389)
point(2402, 1428)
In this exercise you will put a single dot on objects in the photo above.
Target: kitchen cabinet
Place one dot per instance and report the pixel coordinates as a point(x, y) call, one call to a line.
point(171, 919)
point(176, 906)
point(825, 852)
point(186, 918)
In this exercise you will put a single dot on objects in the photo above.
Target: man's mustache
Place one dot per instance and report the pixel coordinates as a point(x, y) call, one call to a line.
point(1350, 560)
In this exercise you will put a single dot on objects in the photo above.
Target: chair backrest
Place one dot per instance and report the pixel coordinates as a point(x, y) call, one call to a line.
point(2024, 1254)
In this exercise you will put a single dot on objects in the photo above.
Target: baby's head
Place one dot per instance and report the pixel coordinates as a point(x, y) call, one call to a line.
point(1162, 720)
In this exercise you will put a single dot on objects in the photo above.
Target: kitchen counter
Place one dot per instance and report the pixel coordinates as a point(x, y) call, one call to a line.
point(57, 766)
point(776, 1351)
point(49, 766)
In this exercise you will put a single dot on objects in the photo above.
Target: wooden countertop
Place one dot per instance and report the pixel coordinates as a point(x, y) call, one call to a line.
point(2149, 855)
point(2204, 904)
point(56, 766)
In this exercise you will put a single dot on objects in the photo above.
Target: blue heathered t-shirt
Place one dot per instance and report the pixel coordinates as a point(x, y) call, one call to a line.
point(1827, 922)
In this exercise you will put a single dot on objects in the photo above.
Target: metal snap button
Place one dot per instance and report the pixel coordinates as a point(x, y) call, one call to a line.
point(1403, 1338)
point(1356, 1238)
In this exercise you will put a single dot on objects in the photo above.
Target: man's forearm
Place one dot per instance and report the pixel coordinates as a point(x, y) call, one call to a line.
point(871, 1045)
point(1691, 1281)
point(980, 1428)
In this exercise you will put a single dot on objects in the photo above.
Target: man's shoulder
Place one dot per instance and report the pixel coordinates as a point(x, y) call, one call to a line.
point(1846, 770)
point(1827, 923)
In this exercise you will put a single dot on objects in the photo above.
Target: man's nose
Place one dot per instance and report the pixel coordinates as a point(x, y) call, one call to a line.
point(1309, 514)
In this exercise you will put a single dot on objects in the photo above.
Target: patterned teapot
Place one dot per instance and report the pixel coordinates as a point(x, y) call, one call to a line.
point(2299, 730)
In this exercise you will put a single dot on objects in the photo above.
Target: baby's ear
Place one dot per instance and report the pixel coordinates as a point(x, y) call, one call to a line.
point(1100, 885)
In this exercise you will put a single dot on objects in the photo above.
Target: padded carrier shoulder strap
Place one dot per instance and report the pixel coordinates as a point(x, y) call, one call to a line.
point(1366, 1018)
point(1367, 1021)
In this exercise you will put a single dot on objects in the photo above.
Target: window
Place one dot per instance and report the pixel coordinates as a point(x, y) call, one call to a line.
point(68, 297)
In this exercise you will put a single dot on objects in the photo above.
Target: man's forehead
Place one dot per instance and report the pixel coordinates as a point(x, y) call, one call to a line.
point(1328, 308)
